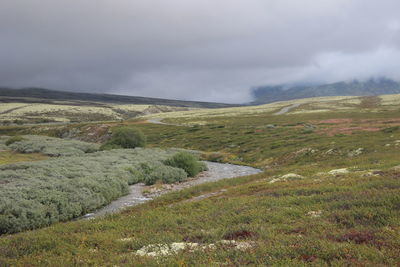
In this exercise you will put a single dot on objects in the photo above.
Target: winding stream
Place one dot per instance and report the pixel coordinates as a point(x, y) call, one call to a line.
point(216, 171)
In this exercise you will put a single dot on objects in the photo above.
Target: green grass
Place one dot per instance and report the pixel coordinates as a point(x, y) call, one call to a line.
point(9, 157)
point(359, 222)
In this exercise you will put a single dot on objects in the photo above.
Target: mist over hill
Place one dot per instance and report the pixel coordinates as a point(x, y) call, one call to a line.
point(261, 94)
point(371, 87)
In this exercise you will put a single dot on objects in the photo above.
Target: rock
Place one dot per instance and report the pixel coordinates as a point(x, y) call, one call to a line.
point(356, 152)
point(241, 245)
point(275, 180)
point(157, 250)
point(270, 126)
point(304, 151)
point(127, 239)
point(374, 173)
point(339, 171)
point(292, 176)
point(396, 168)
point(315, 214)
point(331, 151)
point(286, 177)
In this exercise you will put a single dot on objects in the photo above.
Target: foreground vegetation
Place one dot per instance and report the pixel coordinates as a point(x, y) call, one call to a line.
point(324, 220)
point(329, 195)
point(36, 194)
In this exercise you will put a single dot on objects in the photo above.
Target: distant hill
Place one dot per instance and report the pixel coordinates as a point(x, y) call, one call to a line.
point(34, 95)
point(269, 94)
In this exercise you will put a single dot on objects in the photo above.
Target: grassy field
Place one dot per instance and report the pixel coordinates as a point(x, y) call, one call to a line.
point(62, 112)
point(328, 196)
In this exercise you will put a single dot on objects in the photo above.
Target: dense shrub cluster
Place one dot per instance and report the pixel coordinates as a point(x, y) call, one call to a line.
point(151, 172)
point(51, 146)
point(39, 193)
point(187, 162)
point(14, 139)
point(125, 137)
point(3, 140)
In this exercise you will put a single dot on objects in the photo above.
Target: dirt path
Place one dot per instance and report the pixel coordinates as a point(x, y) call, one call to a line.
point(287, 109)
point(216, 171)
point(159, 121)
point(156, 121)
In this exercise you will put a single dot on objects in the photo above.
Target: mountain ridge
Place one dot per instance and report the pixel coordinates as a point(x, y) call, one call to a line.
point(9, 95)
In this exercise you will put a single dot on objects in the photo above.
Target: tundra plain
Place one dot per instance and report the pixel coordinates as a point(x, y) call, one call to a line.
point(328, 194)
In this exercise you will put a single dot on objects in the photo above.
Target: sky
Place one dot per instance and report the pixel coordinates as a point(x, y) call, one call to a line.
point(206, 50)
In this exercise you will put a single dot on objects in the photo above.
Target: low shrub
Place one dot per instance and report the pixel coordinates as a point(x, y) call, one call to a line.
point(36, 194)
point(187, 162)
point(125, 137)
point(391, 129)
point(14, 139)
point(151, 172)
point(52, 146)
point(159, 172)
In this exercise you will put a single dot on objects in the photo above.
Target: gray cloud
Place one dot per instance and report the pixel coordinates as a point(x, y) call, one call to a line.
point(202, 50)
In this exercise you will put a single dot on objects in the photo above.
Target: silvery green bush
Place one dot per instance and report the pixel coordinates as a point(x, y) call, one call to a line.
point(39, 193)
point(186, 161)
point(52, 146)
point(159, 172)
point(3, 140)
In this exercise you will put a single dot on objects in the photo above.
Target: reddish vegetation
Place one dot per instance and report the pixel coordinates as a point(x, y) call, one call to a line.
point(308, 258)
point(298, 230)
point(243, 234)
point(357, 237)
point(333, 121)
point(360, 237)
point(348, 126)
point(347, 130)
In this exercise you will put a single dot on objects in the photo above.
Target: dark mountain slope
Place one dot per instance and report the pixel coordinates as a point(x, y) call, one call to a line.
point(42, 95)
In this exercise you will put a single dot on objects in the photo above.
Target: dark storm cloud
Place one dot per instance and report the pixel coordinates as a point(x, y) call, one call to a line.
point(192, 49)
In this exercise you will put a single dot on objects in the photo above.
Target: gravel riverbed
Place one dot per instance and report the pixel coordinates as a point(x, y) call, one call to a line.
point(216, 171)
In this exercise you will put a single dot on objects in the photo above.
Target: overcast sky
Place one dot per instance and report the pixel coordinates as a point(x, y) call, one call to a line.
point(211, 50)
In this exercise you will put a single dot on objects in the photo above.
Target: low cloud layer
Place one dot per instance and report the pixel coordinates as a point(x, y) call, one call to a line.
point(199, 50)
